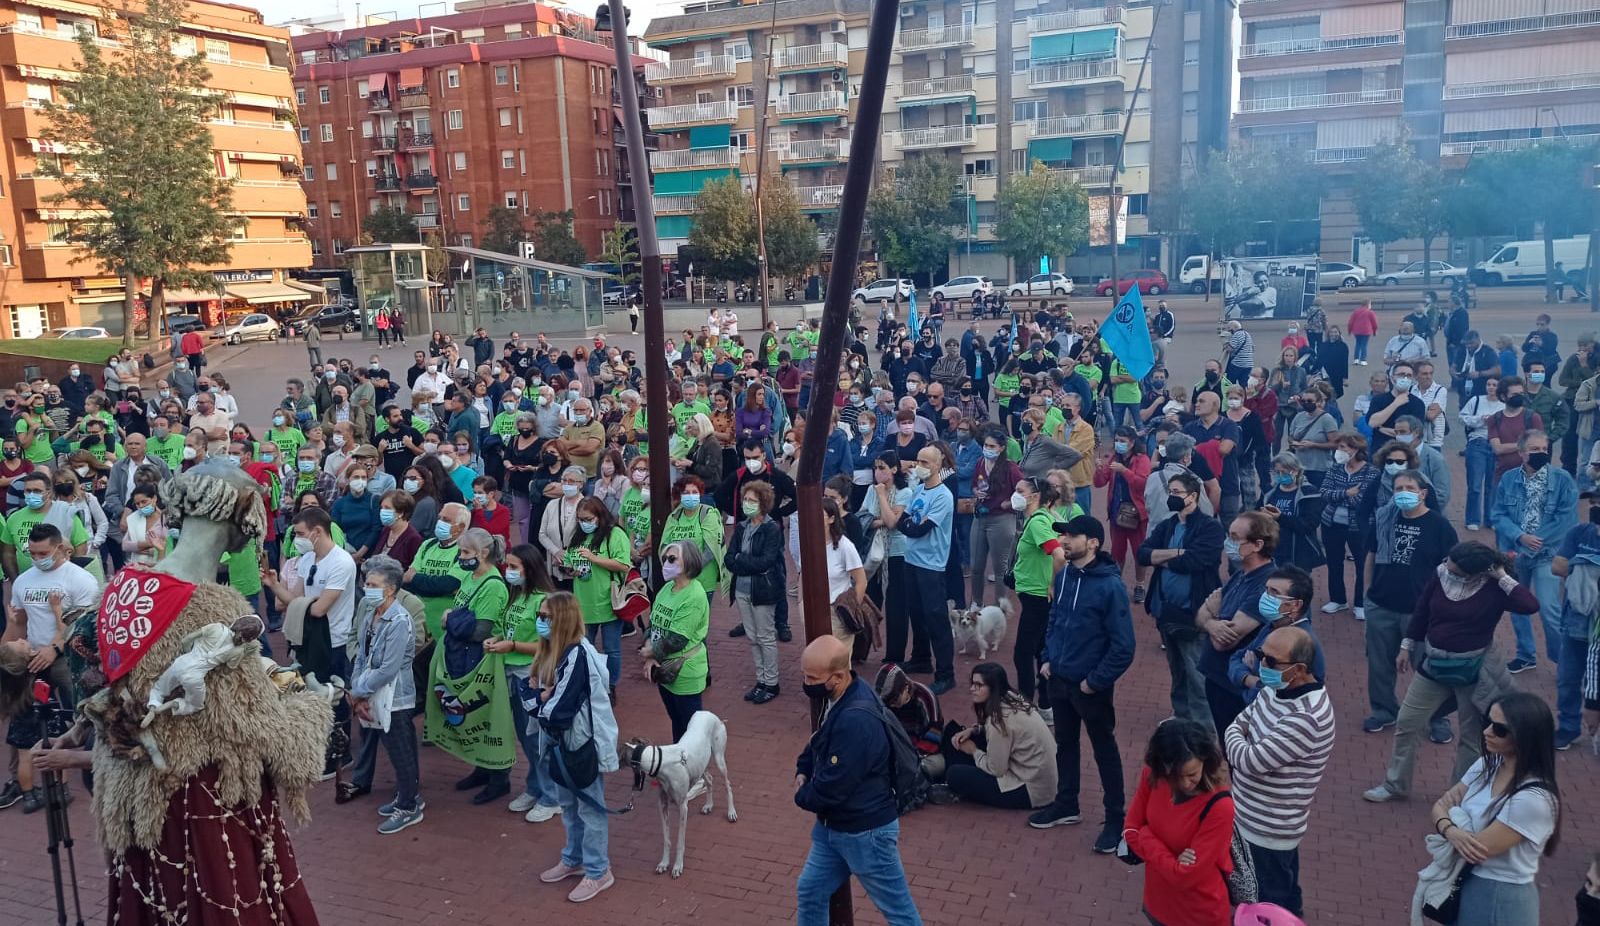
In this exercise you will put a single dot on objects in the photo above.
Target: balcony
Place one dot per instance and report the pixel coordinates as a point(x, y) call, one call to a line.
point(386, 183)
point(819, 198)
point(939, 136)
point(694, 158)
point(425, 219)
point(669, 118)
point(932, 91)
point(414, 98)
point(1325, 43)
point(804, 107)
point(1067, 73)
point(1074, 19)
point(813, 151)
point(1090, 124)
point(422, 181)
point(824, 57)
point(418, 140)
point(1098, 175)
point(689, 70)
point(1274, 104)
point(1338, 155)
point(1466, 148)
point(1523, 24)
point(919, 40)
point(379, 103)
point(674, 204)
point(1526, 85)
point(383, 142)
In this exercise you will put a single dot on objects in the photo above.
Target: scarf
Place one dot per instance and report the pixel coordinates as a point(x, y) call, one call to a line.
point(1457, 588)
point(1533, 500)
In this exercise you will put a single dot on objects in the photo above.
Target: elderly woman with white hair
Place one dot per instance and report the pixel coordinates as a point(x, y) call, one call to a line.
point(560, 522)
point(702, 453)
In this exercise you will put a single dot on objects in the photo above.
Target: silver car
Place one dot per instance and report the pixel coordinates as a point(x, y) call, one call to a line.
point(1440, 272)
point(1338, 274)
point(256, 326)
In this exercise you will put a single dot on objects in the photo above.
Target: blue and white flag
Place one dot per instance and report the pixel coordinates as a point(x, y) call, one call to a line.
point(1128, 335)
point(912, 324)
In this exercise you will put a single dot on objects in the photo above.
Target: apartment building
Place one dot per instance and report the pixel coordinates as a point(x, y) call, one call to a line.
point(450, 116)
point(45, 282)
point(1455, 78)
point(994, 88)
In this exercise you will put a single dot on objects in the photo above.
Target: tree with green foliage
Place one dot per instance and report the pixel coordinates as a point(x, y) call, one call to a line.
point(619, 247)
point(554, 241)
point(791, 237)
point(1214, 208)
point(504, 231)
point(389, 225)
point(1433, 203)
point(724, 231)
point(1278, 188)
point(1042, 214)
point(911, 216)
point(133, 148)
point(1539, 188)
point(1380, 191)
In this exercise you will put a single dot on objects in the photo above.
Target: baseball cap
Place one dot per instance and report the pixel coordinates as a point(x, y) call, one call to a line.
point(1082, 526)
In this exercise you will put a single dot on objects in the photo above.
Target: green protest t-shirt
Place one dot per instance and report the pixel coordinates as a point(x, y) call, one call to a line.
point(289, 441)
point(1089, 372)
point(1124, 393)
point(435, 560)
point(592, 587)
point(1007, 384)
point(703, 528)
point(486, 597)
point(1053, 422)
point(168, 450)
point(504, 424)
point(244, 568)
point(799, 346)
point(684, 613)
point(520, 625)
point(683, 411)
point(39, 451)
point(20, 522)
point(1034, 567)
point(633, 514)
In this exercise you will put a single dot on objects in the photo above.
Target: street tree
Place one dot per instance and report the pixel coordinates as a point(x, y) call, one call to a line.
point(554, 241)
point(1279, 188)
point(132, 149)
point(1380, 191)
point(1042, 214)
point(1214, 207)
point(791, 237)
point(504, 231)
point(390, 225)
point(1539, 187)
point(619, 246)
point(911, 216)
point(724, 231)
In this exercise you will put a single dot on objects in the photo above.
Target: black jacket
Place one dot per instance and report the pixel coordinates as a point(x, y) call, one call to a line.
point(727, 494)
point(1201, 562)
point(847, 765)
point(763, 564)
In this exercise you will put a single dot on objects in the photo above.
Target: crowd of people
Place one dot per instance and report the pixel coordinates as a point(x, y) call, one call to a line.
point(472, 534)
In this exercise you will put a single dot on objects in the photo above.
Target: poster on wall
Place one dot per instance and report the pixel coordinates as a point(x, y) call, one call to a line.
point(1100, 220)
point(1268, 287)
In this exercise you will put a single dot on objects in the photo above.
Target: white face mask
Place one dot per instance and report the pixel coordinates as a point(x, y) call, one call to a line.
point(1341, 457)
point(755, 465)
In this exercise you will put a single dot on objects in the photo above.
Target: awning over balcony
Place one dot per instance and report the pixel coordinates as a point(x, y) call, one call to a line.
point(68, 6)
point(39, 73)
point(264, 100)
point(378, 84)
point(1096, 43)
point(262, 293)
point(710, 136)
point(1049, 149)
point(411, 77)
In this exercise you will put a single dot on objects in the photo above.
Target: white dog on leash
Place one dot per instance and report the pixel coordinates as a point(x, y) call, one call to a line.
point(981, 628)
point(680, 769)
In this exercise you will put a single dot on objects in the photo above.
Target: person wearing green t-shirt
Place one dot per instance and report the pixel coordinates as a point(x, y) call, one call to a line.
point(39, 506)
point(435, 576)
point(696, 520)
point(599, 558)
point(769, 347)
point(691, 405)
point(505, 422)
point(165, 445)
point(1126, 396)
point(517, 635)
point(483, 593)
point(675, 647)
point(1038, 558)
point(283, 433)
point(633, 512)
point(34, 434)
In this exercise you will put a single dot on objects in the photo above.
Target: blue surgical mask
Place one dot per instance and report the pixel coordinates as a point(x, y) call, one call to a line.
point(268, 457)
point(147, 510)
point(1231, 547)
point(588, 527)
point(1407, 501)
point(1283, 479)
point(386, 516)
point(991, 454)
point(1270, 677)
point(513, 576)
point(372, 594)
point(1269, 606)
point(541, 626)
point(691, 500)
point(441, 532)
point(1535, 377)
point(34, 500)
point(306, 466)
point(412, 485)
point(1121, 446)
point(44, 563)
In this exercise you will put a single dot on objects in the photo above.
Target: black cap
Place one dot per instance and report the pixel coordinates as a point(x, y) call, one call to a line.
point(1589, 493)
point(1083, 526)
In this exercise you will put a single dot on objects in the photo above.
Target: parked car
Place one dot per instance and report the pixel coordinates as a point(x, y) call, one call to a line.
point(1150, 283)
point(1338, 274)
point(1442, 273)
point(255, 326)
point(619, 295)
point(1043, 284)
point(964, 288)
point(183, 324)
point(885, 291)
point(75, 334)
point(325, 317)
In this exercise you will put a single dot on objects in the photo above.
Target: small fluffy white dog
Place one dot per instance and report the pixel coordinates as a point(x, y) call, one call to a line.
point(980, 628)
point(680, 769)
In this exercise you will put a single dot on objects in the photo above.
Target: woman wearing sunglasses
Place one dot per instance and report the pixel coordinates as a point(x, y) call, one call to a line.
point(1448, 641)
point(674, 649)
point(1505, 814)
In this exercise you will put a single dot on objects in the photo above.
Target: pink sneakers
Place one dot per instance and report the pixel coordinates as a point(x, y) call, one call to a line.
point(560, 872)
point(589, 888)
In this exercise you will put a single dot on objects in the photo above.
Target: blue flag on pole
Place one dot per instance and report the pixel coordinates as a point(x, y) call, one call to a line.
point(911, 318)
point(1128, 335)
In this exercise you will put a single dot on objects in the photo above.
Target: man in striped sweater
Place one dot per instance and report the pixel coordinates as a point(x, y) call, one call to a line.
point(1278, 749)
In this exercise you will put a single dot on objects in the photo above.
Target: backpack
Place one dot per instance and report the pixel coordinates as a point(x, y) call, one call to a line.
point(906, 778)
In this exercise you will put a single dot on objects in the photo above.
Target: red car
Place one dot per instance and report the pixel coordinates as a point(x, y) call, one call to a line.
point(1150, 282)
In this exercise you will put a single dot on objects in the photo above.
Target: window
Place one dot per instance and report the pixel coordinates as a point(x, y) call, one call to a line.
point(305, 135)
point(453, 119)
point(338, 245)
point(309, 172)
point(372, 167)
point(1027, 110)
point(366, 128)
point(743, 95)
point(5, 255)
point(982, 167)
point(463, 202)
point(1139, 204)
point(1019, 160)
point(504, 114)
point(184, 46)
point(327, 131)
point(29, 20)
point(739, 50)
point(331, 172)
point(508, 159)
point(1019, 62)
point(362, 89)
point(316, 248)
point(300, 96)
point(472, 36)
point(605, 202)
point(739, 140)
point(324, 95)
point(311, 210)
point(511, 200)
point(502, 75)
point(452, 78)
point(459, 160)
point(336, 210)
point(513, 30)
point(466, 241)
point(218, 50)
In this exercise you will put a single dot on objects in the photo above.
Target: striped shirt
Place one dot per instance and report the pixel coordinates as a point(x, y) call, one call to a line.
point(1244, 349)
point(1278, 749)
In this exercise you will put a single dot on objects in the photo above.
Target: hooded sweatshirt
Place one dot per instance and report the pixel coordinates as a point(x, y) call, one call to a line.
point(1090, 637)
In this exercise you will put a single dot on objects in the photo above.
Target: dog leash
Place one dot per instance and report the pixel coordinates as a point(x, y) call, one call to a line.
point(584, 796)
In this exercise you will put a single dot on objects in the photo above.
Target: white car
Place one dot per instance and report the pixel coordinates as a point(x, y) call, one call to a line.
point(1335, 274)
point(1441, 273)
point(885, 291)
point(1043, 284)
point(75, 334)
point(964, 288)
point(255, 326)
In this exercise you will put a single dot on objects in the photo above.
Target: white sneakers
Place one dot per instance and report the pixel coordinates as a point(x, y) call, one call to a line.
point(542, 812)
point(1334, 607)
point(522, 803)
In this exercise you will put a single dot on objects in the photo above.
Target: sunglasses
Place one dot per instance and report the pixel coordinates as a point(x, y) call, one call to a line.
point(669, 559)
point(1398, 462)
point(1499, 729)
point(1268, 661)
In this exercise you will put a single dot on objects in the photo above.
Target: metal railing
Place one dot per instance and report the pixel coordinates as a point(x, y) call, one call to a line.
point(1073, 19)
point(1319, 100)
point(378, 102)
point(675, 204)
point(937, 86)
point(414, 99)
point(386, 183)
point(421, 181)
point(938, 136)
point(686, 69)
point(61, 35)
point(425, 219)
point(419, 139)
point(1096, 175)
point(1523, 24)
point(691, 158)
point(1064, 72)
point(1338, 155)
point(262, 184)
point(1323, 43)
point(814, 149)
point(820, 197)
point(825, 55)
point(692, 113)
point(1525, 85)
point(918, 39)
point(1089, 124)
point(1488, 146)
point(820, 102)
point(383, 142)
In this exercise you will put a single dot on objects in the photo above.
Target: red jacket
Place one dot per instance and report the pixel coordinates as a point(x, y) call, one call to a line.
point(1138, 471)
point(1363, 321)
point(192, 343)
point(1265, 406)
point(1159, 831)
point(497, 522)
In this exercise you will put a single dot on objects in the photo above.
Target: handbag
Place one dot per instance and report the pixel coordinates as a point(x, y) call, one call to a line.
point(1448, 910)
point(966, 505)
point(1243, 887)
point(629, 596)
point(576, 769)
point(1457, 670)
point(1127, 516)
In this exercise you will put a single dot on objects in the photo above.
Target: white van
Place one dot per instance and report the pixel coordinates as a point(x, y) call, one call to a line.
point(1192, 275)
point(1523, 261)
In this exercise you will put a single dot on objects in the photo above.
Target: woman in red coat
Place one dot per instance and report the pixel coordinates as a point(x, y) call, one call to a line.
point(1125, 471)
point(1362, 326)
point(1181, 824)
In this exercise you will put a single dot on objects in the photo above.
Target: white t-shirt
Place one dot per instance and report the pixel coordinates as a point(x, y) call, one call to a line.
point(30, 594)
point(336, 570)
point(1439, 395)
point(841, 559)
point(1531, 812)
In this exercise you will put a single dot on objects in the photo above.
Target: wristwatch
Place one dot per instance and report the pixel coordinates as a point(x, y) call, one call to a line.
point(1407, 645)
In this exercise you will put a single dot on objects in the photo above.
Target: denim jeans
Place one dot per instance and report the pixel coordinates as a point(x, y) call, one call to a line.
point(1361, 346)
point(873, 856)
point(586, 827)
point(1569, 686)
point(1084, 496)
point(538, 784)
point(1335, 538)
point(930, 616)
point(1480, 481)
point(1278, 876)
point(1534, 572)
point(610, 635)
point(1183, 662)
point(1124, 411)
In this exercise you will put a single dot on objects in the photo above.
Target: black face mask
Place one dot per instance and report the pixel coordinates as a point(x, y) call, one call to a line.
point(1212, 377)
point(550, 459)
point(1515, 403)
point(524, 431)
point(1538, 461)
point(64, 491)
point(1176, 503)
point(817, 690)
point(12, 454)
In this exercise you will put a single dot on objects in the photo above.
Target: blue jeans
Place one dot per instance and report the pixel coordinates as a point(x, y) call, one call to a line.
point(538, 783)
point(1084, 496)
point(1535, 573)
point(586, 827)
point(610, 633)
point(1124, 411)
point(1569, 686)
point(873, 857)
point(1480, 481)
point(1361, 346)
